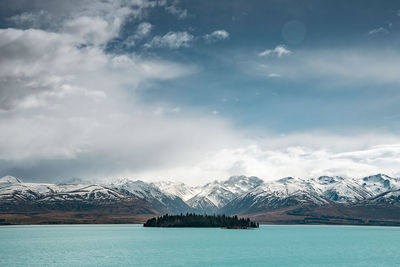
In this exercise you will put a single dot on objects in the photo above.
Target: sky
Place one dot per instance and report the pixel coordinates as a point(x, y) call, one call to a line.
point(195, 91)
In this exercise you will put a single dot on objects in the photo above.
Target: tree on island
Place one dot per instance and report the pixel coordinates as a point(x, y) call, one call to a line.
point(197, 220)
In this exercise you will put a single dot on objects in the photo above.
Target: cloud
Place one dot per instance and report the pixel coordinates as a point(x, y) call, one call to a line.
point(340, 66)
point(70, 109)
point(176, 11)
point(298, 155)
point(379, 30)
point(52, 15)
point(172, 40)
point(305, 162)
point(175, 40)
point(35, 62)
point(91, 30)
point(67, 110)
point(279, 51)
point(35, 20)
point(216, 36)
point(142, 30)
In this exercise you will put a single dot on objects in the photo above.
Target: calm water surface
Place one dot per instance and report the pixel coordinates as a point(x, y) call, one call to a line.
point(133, 245)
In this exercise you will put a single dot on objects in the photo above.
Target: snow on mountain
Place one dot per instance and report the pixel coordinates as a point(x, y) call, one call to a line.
point(313, 191)
point(150, 193)
point(211, 197)
point(217, 194)
point(237, 195)
point(7, 180)
point(83, 192)
point(284, 192)
point(241, 184)
point(380, 183)
point(177, 189)
point(202, 204)
point(390, 198)
point(208, 198)
point(338, 189)
point(16, 191)
point(138, 188)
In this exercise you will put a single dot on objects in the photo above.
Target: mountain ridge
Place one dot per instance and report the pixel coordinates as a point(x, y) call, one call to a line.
point(238, 195)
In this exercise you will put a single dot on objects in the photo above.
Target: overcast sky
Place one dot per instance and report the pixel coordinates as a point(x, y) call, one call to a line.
point(198, 90)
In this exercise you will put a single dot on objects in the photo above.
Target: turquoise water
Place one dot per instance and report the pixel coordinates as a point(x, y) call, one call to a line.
point(133, 245)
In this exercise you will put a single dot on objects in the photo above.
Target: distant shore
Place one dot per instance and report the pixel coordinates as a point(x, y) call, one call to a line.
point(139, 221)
point(300, 215)
point(22, 220)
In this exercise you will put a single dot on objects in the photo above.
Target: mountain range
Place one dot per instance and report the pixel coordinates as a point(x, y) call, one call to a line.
point(367, 200)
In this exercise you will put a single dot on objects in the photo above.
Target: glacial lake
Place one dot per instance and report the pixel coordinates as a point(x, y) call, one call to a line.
point(133, 245)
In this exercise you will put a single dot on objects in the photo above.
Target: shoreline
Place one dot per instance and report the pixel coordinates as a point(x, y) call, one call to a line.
point(231, 228)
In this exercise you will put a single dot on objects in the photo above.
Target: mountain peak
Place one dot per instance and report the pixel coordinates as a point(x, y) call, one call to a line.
point(10, 180)
point(286, 180)
point(377, 176)
point(329, 179)
point(243, 178)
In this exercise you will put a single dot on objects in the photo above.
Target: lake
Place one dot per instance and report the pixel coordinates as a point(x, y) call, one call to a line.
point(133, 245)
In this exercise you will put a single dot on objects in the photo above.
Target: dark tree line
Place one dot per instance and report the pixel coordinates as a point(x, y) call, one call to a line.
point(196, 220)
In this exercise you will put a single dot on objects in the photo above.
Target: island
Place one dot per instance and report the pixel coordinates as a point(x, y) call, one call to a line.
point(197, 220)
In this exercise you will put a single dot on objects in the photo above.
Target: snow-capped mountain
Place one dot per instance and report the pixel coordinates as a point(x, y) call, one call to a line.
point(14, 190)
point(176, 197)
point(379, 183)
point(217, 194)
point(162, 201)
point(390, 197)
point(36, 203)
point(165, 196)
point(241, 184)
point(237, 195)
point(8, 180)
point(212, 196)
point(177, 189)
point(319, 191)
point(284, 192)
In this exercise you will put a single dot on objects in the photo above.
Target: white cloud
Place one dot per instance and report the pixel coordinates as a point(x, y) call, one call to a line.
point(67, 106)
point(175, 40)
point(305, 162)
point(90, 30)
point(176, 11)
point(70, 110)
point(172, 40)
point(279, 51)
point(277, 157)
point(143, 29)
point(35, 62)
point(379, 30)
point(51, 15)
point(165, 110)
point(216, 36)
point(334, 66)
